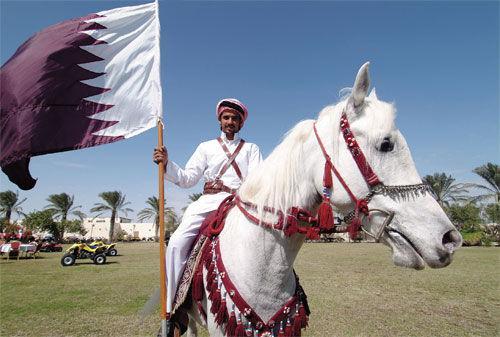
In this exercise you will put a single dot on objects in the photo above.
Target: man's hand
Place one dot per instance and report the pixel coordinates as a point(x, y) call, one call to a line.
point(160, 155)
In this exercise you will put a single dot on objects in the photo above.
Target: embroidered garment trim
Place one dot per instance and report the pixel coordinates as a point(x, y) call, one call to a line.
point(288, 321)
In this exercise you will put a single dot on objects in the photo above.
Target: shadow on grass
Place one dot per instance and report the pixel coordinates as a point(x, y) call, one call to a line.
point(21, 258)
point(92, 263)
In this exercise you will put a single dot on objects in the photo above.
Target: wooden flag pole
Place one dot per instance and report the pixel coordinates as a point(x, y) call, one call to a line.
point(161, 211)
point(163, 266)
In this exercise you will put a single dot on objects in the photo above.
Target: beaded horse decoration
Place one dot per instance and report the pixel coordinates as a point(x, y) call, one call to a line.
point(352, 161)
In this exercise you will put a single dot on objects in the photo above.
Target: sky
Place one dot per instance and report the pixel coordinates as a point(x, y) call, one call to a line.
point(286, 60)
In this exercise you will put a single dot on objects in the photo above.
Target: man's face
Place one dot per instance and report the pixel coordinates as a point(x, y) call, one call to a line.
point(230, 122)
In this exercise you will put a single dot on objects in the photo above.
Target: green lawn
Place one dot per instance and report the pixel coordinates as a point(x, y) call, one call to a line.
point(353, 289)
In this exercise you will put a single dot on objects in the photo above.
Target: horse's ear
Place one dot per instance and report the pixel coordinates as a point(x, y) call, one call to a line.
point(373, 94)
point(361, 85)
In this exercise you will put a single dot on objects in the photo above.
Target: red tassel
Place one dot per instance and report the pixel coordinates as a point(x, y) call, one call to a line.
point(210, 273)
point(325, 215)
point(289, 329)
point(303, 316)
point(240, 330)
point(297, 326)
point(221, 316)
point(215, 302)
point(212, 289)
point(281, 333)
point(231, 325)
point(198, 286)
point(327, 175)
point(354, 228)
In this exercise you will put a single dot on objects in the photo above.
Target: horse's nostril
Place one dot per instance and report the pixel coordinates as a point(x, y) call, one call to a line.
point(452, 240)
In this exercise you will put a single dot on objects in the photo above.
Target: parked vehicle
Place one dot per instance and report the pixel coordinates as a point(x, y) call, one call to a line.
point(83, 251)
point(51, 247)
point(110, 249)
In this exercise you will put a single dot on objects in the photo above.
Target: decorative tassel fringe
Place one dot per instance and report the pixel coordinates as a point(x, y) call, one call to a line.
point(216, 302)
point(221, 315)
point(231, 325)
point(212, 289)
point(240, 330)
point(325, 215)
point(281, 333)
point(249, 330)
point(354, 227)
point(297, 326)
point(210, 274)
point(303, 316)
point(198, 286)
point(327, 175)
point(289, 329)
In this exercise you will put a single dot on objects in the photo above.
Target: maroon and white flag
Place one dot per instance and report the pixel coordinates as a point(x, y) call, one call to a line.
point(80, 83)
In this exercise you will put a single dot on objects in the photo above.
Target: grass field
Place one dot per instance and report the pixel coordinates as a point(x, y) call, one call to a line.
point(353, 290)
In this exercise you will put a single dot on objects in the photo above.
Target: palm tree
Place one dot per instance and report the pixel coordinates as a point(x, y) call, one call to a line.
point(153, 211)
point(115, 202)
point(491, 174)
point(192, 198)
point(62, 205)
point(444, 188)
point(9, 203)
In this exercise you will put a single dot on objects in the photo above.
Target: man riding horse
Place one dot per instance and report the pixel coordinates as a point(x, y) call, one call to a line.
point(224, 163)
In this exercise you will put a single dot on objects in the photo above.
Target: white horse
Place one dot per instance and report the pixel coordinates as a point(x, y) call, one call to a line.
point(259, 260)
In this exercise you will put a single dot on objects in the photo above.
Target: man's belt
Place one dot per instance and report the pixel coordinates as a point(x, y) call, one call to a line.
point(214, 187)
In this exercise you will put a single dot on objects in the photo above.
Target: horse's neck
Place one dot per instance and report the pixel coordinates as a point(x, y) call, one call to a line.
point(259, 261)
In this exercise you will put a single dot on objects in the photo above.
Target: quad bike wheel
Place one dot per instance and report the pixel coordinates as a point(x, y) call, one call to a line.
point(68, 260)
point(100, 259)
point(112, 252)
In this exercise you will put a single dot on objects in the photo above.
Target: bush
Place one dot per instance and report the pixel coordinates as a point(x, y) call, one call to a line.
point(464, 216)
point(472, 238)
point(492, 232)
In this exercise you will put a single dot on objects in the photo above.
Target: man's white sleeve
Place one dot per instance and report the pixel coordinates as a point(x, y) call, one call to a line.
point(191, 174)
point(255, 158)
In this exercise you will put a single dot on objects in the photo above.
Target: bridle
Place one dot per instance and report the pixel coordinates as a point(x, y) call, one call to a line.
point(375, 186)
point(292, 221)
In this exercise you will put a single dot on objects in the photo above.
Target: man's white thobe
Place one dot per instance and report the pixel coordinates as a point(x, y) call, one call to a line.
point(206, 162)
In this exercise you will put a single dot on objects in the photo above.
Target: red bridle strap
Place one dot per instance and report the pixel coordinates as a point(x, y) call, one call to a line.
point(290, 224)
point(330, 164)
point(358, 156)
point(361, 205)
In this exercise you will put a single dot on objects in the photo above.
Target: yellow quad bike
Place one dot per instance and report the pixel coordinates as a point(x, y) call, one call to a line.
point(82, 251)
point(110, 249)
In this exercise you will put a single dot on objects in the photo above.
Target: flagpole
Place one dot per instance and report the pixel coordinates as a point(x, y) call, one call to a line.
point(161, 211)
point(161, 193)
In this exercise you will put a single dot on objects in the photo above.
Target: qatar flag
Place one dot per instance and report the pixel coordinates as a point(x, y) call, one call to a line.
point(80, 83)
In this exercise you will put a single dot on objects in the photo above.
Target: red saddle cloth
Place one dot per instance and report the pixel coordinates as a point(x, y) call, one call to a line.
point(230, 310)
point(212, 225)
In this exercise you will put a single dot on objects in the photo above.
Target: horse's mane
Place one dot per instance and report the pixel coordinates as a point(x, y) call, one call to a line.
point(279, 180)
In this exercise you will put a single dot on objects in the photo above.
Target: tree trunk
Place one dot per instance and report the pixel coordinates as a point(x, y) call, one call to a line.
point(112, 226)
point(157, 228)
point(63, 228)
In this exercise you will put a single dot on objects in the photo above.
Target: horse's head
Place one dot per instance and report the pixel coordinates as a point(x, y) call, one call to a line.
point(408, 219)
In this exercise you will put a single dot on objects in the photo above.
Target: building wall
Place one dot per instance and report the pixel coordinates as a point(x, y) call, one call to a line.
point(99, 228)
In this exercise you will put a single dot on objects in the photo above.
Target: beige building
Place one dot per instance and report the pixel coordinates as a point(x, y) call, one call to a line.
point(99, 228)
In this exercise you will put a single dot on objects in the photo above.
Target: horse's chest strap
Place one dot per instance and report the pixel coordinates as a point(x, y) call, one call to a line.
point(296, 220)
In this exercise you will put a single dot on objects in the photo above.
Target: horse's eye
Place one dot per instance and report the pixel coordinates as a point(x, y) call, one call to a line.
point(387, 145)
